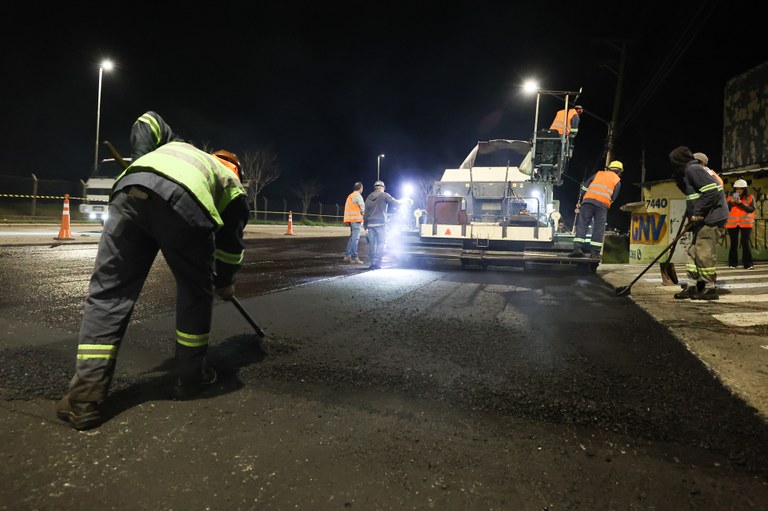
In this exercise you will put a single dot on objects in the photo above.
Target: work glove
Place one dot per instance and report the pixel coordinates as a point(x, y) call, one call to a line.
point(695, 219)
point(226, 293)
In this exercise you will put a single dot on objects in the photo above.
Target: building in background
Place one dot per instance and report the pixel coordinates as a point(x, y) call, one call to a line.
point(656, 218)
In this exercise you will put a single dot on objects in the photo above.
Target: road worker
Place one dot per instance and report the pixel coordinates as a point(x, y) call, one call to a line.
point(599, 192)
point(354, 208)
point(375, 221)
point(741, 220)
point(707, 212)
point(191, 206)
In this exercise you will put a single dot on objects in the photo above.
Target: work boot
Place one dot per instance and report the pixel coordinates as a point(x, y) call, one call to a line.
point(187, 387)
point(356, 260)
point(79, 415)
point(346, 259)
point(576, 253)
point(709, 293)
point(687, 292)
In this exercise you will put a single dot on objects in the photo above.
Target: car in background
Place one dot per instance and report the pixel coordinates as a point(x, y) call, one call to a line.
point(98, 188)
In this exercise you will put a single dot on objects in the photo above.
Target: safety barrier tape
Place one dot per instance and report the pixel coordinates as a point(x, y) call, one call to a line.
point(61, 197)
point(57, 197)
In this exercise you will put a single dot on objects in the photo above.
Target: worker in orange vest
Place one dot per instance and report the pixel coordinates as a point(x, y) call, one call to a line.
point(600, 191)
point(354, 208)
point(568, 122)
point(740, 221)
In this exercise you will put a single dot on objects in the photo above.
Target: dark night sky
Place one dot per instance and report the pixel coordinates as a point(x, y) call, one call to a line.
point(330, 85)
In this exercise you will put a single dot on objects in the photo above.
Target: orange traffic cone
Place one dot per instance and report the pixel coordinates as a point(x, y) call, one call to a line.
point(290, 223)
point(64, 232)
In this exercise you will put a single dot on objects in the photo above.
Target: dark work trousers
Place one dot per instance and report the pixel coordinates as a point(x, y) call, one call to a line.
point(597, 215)
point(700, 265)
point(139, 225)
point(746, 250)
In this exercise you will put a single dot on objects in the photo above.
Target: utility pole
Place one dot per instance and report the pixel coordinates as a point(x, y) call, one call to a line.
point(612, 125)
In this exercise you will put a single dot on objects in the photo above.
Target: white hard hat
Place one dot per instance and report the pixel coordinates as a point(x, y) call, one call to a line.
point(740, 183)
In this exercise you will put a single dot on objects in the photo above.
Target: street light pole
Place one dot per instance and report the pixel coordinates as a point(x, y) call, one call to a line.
point(378, 166)
point(105, 65)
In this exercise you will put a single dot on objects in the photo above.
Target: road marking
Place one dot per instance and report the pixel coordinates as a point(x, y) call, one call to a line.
point(29, 233)
point(742, 318)
point(743, 298)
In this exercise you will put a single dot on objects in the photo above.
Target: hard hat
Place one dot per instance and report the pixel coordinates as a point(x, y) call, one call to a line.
point(701, 157)
point(379, 183)
point(740, 183)
point(578, 107)
point(616, 165)
point(230, 160)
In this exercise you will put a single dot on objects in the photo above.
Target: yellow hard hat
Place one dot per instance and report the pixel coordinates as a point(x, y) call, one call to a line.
point(616, 165)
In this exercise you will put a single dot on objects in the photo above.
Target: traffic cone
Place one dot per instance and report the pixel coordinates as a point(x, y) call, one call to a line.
point(290, 223)
point(64, 232)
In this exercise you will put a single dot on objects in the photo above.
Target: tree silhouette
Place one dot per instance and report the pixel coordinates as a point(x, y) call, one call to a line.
point(306, 191)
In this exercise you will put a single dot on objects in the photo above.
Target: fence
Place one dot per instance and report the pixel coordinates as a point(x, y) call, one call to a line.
point(31, 198)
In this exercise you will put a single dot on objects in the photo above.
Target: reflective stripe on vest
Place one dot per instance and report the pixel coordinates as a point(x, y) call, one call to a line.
point(717, 178)
point(352, 212)
point(602, 186)
point(560, 124)
point(211, 183)
point(153, 125)
point(739, 217)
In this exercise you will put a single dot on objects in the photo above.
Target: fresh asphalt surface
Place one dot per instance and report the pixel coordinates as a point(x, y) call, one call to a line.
point(411, 397)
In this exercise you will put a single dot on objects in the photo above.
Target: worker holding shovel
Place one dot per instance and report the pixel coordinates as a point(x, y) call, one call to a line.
point(707, 212)
point(191, 206)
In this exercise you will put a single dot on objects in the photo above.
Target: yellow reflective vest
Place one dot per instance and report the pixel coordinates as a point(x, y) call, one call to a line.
point(211, 183)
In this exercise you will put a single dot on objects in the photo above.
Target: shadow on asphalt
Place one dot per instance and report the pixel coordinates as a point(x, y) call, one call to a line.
point(227, 357)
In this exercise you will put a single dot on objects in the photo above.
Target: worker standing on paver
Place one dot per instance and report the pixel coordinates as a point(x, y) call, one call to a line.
point(191, 206)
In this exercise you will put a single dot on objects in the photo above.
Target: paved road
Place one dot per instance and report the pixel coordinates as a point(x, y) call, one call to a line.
point(416, 389)
point(730, 335)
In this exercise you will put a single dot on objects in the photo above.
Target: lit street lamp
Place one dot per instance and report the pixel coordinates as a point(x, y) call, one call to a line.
point(378, 166)
point(106, 65)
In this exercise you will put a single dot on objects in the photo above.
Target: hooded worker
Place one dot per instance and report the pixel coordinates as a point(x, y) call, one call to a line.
point(707, 212)
point(599, 192)
point(148, 133)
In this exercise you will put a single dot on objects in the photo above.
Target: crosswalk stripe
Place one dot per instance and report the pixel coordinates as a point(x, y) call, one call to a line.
point(744, 299)
point(742, 318)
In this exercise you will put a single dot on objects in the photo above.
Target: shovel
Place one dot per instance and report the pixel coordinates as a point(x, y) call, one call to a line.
point(248, 318)
point(625, 290)
point(668, 273)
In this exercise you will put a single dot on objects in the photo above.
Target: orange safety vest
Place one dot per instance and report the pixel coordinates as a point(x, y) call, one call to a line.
point(714, 174)
point(560, 123)
point(602, 186)
point(739, 217)
point(352, 212)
